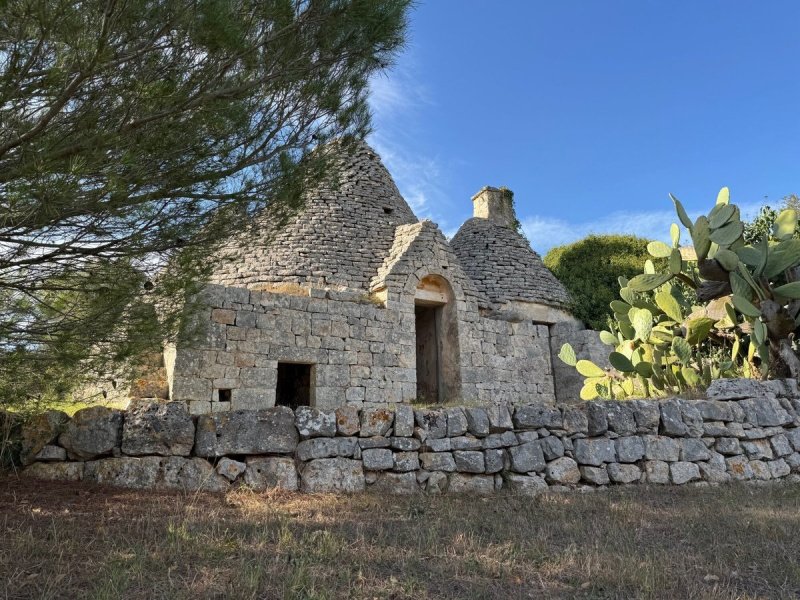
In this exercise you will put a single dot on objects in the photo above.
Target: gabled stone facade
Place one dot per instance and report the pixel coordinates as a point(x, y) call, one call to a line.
point(356, 301)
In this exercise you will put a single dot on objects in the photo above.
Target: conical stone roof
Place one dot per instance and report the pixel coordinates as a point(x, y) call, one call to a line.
point(500, 261)
point(339, 239)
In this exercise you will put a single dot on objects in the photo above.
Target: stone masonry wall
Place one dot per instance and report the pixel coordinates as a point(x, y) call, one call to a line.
point(364, 354)
point(745, 430)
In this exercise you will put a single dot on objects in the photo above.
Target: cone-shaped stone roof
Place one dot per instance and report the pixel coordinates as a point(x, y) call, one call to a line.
point(340, 238)
point(503, 266)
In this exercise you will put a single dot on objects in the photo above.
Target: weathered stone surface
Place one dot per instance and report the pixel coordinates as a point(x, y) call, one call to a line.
point(269, 431)
point(456, 422)
point(494, 460)
point(623, 473)
point(477, 421)
point(595, 451)
point(563, 471)
point(527, 458)
point(793, 460)
point(658, 447)
point(620, 418)
point(552, 447)
point(793, 436)
point(734, 389)
point(758, 449)
point(779, 468)
point(728, 445)
point(377, 441)
point(500, 440)
point(629, 449)
point(693, 450)
point(406, 444)
point(159, 428)
point(376, 421)
point(595, 475)
point(672, 419)
point(656, 471)
point(534, 416)
point(435, 483)
point(479, 485)
point(683, 472)
point(402, 484)
point(406, 461)
point(432, 422)
point(646, 414)
point(575, 419)
point(597, 417)
point(189, 474)
point(328, 448)
point(437, 461)
point(438, 445)
point(92, 432)
point(691, 418)
point(469, 461)
point(525, 485)
point(51, 454)
point(39, 431)
point(377, 459)
point(713, 474)
point(739, 468)
point(127, 472)
point(403, 420)
point(780, 445)
point(327, 475)
point(270, 472)
point(499, 418)
point(347, 420)
point(311, 422)
point(712, 410)
point(465, 443)
point(55, 471)
point(760, 470)
point(230, 469)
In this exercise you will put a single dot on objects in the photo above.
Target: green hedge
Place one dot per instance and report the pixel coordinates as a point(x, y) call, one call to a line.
point(590, 268)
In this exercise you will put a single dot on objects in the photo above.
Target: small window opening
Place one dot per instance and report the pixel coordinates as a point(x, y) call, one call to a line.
point(388, 210)
point(294, 385)
point(224, 395)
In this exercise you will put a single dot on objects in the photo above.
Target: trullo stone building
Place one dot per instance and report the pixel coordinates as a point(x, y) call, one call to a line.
point(355, 300)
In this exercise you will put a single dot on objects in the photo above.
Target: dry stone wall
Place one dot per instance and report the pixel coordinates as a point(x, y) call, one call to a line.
point(744, 430)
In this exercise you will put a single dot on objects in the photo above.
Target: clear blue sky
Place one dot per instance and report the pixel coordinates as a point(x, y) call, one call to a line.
point(592, 111)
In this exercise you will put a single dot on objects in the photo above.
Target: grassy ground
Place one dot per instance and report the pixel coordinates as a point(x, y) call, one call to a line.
point(73, 541)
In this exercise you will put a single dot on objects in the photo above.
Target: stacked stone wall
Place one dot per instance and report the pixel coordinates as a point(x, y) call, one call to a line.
point(744, 430)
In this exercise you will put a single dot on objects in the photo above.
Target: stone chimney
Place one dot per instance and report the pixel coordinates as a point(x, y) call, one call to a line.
point(495, 204)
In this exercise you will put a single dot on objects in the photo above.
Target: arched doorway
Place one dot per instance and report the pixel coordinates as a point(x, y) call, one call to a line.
point(438, 364)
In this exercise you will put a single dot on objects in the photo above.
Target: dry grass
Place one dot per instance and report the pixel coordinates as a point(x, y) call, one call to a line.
point(73, 541)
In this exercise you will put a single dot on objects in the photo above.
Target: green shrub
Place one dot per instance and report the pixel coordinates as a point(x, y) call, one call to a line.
point(590, 269)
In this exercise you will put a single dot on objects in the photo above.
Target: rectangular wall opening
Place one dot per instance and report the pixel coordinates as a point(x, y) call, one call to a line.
point(224, 395)
point(428, 364)
point(294, 385)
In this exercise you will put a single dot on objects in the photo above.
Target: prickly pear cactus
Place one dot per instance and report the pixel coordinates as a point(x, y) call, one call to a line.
point(718, 308)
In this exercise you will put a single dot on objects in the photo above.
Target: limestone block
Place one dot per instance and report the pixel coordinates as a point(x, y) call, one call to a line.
point(347, 420)
point(760, 470)
point(377, 441)
point(137, 473)
point(525, 485)
point(712, 474)
point(780, 445)
point(619, 473)
point(40, 431)
point(629, 449)
point(735, 389)
point(620, 418)
point(311, 422)
point(658, 447)
point(552, 447)
point(595, 452)
point(265, 473)
point(657, 471)
point(494, 460)
point(575, 419)
point(435, 482)
point(269, 431)
point(55, 471)
point(92, 432)
point(438, 445)
point(527, 458)
point(230, 469)
point(456, 422)
point(597, 417)
point(376, 421)
point(395, 483)
point(693, 450)
point(163, 429)
point(469, 461)
point(403, 420)
point(479, 485)
point(758, 449)
point(647, 415)
point(433, 423)
point(191, 388)
point(404, 444)
point(499, 418)
point(534, 416)
point(478, 422)
point(563, 471)
point(327, 475)
point(437, 461)
point(188, 474)
point(466, 443)
point(714, 410)
point(51, 454)
point(377, 459)
point(739, 468)
point(728, 445)
point(779, 468)
point(406, 461)
point(672, 419)
point(595, 475)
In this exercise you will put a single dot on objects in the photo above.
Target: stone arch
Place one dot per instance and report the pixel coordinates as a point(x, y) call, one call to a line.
point(438, 355)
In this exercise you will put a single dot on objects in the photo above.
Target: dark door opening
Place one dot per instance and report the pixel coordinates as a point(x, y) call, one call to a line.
point(428, 368)
point(294, 385)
